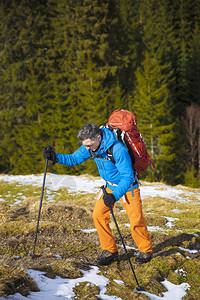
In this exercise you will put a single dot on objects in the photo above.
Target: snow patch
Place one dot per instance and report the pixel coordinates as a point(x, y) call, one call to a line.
point(76, 184)
point(165, 191)
point(62, 288)
point(88, 230)
point(188, 250)
point(54, 182)
point(155, 228)
point(170, 220)
point(118, 281)
point(176, 210)
point(173, 291)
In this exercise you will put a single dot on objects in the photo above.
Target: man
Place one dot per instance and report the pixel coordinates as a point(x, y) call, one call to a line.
point(121, 184)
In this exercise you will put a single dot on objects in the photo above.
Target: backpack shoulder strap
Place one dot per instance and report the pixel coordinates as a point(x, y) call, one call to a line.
point(110, 154)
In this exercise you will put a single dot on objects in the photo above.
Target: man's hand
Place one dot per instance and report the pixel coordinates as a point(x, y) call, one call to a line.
point(109, 199)
point(50, 155)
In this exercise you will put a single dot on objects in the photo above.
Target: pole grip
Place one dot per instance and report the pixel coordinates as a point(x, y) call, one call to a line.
point(103, 189)
point(105, 193)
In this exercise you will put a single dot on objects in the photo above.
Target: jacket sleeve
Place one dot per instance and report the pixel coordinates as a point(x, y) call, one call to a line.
point(79, 156)
point(123, 164)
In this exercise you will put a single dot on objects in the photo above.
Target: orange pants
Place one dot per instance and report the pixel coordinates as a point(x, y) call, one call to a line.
point(133, 207)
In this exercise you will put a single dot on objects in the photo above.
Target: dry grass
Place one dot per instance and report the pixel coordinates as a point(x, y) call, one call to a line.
point(60, 233)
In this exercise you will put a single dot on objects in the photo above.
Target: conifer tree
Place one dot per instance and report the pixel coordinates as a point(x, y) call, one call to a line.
point(23, 71)
point(182, 13)
point(153, 97)
point(12, 78)
point(150, 102)
point(193, 73)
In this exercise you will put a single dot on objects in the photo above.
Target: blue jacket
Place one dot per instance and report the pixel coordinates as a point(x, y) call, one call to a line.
point(120, 173)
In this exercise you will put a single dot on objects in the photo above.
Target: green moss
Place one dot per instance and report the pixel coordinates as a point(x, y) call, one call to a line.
point(192, 267)
point(86, 290)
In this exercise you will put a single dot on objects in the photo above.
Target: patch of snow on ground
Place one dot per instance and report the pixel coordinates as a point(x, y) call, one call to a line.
point(62, 288)
point(155, 228)
point(86, 184)
point(188, 250)
point(118, 281)
point(129, 247)
point(58, 256)
point(88, 230)
point(181, 272)
point(165, 191)
point(176, 210)
point(150, 228)
point(54, 182)
point(176, 292)
point(170, 220)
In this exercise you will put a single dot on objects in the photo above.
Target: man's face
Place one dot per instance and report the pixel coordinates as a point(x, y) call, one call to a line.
point(93, 145)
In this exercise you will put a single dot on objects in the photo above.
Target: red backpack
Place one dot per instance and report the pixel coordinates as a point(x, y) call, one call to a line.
point(124, 124)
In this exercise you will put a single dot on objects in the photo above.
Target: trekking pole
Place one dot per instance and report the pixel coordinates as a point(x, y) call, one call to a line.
point(111, 210)
point(45, 172)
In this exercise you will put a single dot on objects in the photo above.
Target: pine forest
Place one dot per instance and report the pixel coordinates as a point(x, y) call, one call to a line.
point(71, 62)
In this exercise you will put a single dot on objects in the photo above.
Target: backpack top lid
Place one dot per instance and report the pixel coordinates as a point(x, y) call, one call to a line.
point(123, 119)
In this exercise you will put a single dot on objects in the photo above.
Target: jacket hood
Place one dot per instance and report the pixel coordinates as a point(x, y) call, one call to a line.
point(108, 140)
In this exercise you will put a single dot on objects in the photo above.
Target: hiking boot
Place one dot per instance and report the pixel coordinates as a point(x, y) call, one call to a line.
point(106, 257)
point(143, 257)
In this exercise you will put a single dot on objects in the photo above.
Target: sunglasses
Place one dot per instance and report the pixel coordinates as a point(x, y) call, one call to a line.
point(91, 144)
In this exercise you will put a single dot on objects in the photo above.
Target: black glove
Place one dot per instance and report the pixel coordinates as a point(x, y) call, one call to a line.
point(109, 199)
point(50, 155)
